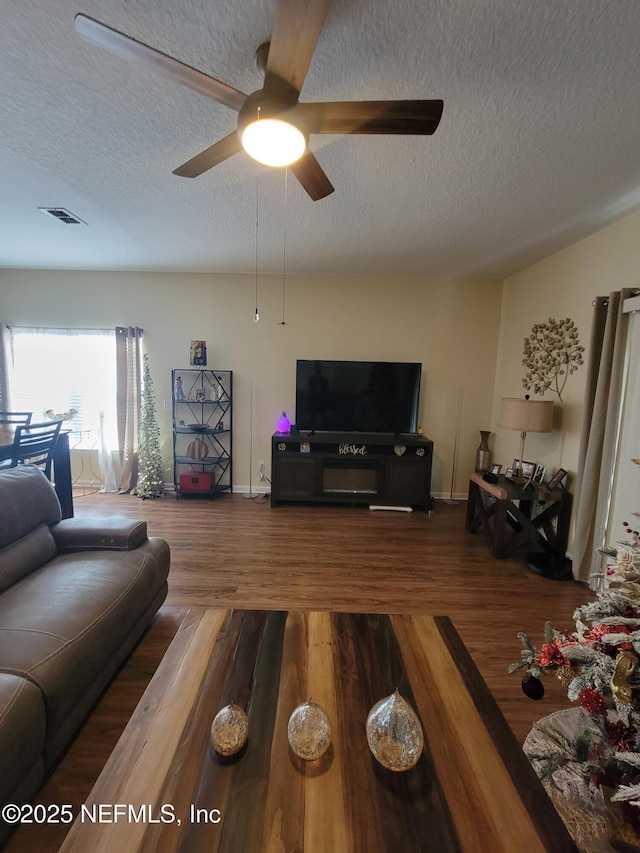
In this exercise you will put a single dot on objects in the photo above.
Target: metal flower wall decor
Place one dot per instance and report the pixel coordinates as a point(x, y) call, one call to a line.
point(552, 352)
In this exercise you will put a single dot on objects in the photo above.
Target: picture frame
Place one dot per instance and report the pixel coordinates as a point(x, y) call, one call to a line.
point(556, 481)
point(510, 473)
point(198, 353)
point(495, 469)
point(538, 476)
point(528, 469)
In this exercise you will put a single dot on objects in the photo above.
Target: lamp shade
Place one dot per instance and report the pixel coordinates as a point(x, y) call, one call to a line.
point(526, 415)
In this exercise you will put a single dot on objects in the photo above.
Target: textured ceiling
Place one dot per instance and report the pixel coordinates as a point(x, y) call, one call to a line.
point(538, 144)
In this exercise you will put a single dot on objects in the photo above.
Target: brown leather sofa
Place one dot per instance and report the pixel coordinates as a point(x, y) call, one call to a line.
point(75, 597)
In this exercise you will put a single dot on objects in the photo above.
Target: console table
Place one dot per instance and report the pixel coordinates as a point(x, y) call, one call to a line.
point(364, 468)
point(472, 790)
point(504, 510)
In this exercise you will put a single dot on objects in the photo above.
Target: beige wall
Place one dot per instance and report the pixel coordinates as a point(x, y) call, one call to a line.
point(563, 285)
point(451, 326)
point(468, 335)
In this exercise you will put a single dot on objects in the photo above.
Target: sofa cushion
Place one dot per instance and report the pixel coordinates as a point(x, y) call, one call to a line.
point(62, 623)
point(26, 554)
point(115, 533)
point(22, 728)
point(27, 500)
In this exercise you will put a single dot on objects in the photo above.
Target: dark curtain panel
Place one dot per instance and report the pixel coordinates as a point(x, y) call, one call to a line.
point(600, 427)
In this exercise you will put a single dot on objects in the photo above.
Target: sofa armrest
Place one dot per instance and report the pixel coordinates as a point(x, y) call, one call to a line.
point(99, 534)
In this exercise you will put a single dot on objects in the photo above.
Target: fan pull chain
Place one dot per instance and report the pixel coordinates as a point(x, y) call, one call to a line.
point(284, 245)
point(256, 316)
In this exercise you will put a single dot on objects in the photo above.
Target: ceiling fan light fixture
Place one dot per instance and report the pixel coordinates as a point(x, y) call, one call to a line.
point(275, 108)
point(273, 141)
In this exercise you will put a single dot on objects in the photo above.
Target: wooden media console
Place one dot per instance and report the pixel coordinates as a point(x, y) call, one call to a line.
point(352, 467)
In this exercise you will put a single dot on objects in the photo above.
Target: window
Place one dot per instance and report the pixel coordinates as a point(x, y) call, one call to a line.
point(56, 370)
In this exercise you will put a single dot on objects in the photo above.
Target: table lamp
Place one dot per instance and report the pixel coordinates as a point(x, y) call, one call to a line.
point(526, 416)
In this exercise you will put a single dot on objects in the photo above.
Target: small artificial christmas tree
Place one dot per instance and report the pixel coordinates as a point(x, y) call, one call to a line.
point(150, 472)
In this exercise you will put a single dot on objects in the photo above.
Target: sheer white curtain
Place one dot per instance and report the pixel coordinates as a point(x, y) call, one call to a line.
point(105, 461)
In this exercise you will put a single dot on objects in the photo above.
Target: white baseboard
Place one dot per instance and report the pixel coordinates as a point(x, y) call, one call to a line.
point(253, 490)
point(261, 490)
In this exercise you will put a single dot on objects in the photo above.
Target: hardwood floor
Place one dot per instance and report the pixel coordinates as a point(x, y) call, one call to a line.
point(238, 552)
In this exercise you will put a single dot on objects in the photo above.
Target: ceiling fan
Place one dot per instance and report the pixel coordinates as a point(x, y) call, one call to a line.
point(285, 61)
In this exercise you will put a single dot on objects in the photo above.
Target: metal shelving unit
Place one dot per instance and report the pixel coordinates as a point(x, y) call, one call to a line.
point(202, 405)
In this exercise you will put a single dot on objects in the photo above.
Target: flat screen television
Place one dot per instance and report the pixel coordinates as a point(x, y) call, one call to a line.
point(357, 396)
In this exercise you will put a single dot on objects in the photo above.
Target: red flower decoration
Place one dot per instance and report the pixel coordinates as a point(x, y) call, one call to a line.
point(620, 736)
point(550, 654)
point(599, 631)
point(592, 701)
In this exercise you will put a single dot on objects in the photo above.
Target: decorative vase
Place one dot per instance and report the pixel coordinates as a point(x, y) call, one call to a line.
point(284, 424)
point(483, 454)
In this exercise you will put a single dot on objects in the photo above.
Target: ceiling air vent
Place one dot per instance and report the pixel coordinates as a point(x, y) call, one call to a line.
point(63, 215)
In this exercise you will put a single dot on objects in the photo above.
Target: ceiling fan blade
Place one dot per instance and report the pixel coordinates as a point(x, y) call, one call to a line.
point(127, 47)
point(312, 177)
point(410, 117)
point(210, 157)
point(295, 35)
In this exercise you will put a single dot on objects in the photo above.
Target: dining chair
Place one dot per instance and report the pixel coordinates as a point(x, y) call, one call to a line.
point(15, 418)
point(34, 444)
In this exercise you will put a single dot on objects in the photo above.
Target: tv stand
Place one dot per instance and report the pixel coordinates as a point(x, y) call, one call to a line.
point(380, 469)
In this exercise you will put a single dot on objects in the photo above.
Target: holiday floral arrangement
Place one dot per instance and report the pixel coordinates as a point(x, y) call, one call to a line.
point(599, 665)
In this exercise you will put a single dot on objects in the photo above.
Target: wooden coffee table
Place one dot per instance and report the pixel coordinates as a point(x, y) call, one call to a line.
point(164, 788)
